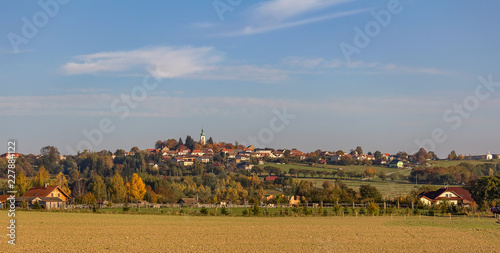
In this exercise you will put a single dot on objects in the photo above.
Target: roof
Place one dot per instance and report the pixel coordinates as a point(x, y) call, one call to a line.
point(188, 201)
point(459, 191)
point(271, 178)
point(43, 191)
point(3, 198)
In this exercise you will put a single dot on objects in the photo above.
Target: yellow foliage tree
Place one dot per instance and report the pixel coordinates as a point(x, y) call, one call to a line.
point(41, 178)
point(136, 189)
point(23, 184)
point(61, 182)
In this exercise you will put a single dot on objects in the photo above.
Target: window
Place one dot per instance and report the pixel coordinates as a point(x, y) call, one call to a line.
point(52, 194)
point(58, 194)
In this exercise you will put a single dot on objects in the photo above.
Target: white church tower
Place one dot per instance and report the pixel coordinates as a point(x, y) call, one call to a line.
point(202, 137)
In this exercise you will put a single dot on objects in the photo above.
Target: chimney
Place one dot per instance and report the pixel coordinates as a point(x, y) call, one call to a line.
point(46, 184)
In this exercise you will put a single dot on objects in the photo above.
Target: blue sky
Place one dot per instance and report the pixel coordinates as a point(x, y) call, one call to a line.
point(229, 68)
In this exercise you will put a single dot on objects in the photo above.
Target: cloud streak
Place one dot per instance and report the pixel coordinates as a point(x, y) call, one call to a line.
point(285, 9)
point(373, 67)
point(283, 14)
point(168, 62)
point(250, 30)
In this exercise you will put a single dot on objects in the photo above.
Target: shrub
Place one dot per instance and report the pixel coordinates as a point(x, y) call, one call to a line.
point(37, 206)
point(362, 211)
point(245, 212)
point(416, 211)
point(126, 208)
point(224, 211)
point(256, 210)
point(337, 209)
point(203, 211)
point(325, 212)
point(373, 208)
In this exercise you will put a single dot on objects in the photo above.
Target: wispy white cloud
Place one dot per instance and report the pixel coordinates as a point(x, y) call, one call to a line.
point(282, 14)
point(168, 62)
point(285, 9)
point(372, 67)
point(249, 30)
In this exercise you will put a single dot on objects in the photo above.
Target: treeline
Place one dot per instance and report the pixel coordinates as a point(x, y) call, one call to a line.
point(454, 175)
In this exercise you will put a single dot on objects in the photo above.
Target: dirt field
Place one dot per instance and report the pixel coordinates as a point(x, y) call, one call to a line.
point(75, 232)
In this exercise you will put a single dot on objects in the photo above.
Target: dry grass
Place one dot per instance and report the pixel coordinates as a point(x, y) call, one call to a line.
point(72, 232)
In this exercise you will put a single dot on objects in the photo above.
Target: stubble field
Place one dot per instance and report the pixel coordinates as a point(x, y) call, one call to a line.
point(86, 232)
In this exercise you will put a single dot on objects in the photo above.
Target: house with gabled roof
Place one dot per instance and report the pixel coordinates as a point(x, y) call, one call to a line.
point(455, 195)
point(48, 197)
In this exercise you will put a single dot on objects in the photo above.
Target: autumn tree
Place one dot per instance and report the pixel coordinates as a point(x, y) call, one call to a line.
point(159, 144)
point(22, 183)
point(134, 150)
point(171, 144)
point(136, 188)
point(452, 155)
point(370, 172)
point(117, 189)
point(41, 178)
point(421, 156)
point(63, 183)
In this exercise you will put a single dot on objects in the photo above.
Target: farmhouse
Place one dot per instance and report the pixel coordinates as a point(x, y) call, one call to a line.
point(48, 197)
point(396, 164)
point(455, 195)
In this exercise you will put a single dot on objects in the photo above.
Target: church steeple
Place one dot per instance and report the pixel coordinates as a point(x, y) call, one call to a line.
point(202, 137)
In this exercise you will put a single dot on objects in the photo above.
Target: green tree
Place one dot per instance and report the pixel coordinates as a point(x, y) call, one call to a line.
point(210, 141)
point(485, 188)
point(359, 150)
point(377, 154)
point(99, 188)
point(117, 189)
point(370, 192)
point(189, 142)
point(41, 178)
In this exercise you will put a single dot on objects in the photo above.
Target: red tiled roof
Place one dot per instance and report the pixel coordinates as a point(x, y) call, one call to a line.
point(42, 192)
point(3, 198)
point(271, 178)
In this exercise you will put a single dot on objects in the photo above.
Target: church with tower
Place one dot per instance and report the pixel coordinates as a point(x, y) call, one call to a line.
point(202, 137)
